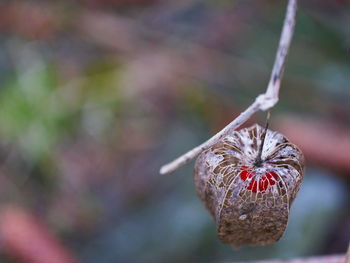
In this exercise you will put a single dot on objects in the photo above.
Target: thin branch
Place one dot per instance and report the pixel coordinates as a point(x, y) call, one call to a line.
point(262, 102)
point(258, 161)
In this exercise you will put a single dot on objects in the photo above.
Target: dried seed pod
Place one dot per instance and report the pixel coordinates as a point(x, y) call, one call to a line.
point(250, 198)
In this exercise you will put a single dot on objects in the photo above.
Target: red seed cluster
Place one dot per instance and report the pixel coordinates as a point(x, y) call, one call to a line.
point(262, 184)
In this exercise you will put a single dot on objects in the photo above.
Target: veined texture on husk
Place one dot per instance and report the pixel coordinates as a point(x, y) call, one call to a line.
point(250, 203)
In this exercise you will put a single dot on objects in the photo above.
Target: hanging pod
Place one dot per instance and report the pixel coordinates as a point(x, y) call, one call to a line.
point(248, 181)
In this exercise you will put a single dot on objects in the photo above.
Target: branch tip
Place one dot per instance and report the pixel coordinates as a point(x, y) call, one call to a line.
point(263, 102)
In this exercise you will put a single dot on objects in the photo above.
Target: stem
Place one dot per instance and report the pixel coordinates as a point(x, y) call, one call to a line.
point(259, 161)
point(262, 102)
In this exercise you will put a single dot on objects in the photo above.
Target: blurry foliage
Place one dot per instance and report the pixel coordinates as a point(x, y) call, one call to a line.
point(37, 111)
point(32, 112)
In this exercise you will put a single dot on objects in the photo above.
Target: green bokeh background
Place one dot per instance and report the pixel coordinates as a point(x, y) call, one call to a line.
point(99, 95)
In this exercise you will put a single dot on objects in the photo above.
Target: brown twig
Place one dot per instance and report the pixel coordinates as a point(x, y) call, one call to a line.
point(259, 161)
point(262, 102)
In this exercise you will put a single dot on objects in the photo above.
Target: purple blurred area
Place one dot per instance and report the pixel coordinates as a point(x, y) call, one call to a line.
point(96, 95)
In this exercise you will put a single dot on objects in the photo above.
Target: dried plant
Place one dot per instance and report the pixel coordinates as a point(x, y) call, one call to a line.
point(248, 181)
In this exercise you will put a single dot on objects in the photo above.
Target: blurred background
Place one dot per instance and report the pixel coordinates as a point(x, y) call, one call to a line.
point(95, 95)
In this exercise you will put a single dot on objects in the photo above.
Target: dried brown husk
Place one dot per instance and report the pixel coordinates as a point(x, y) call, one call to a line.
point(245, 217)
